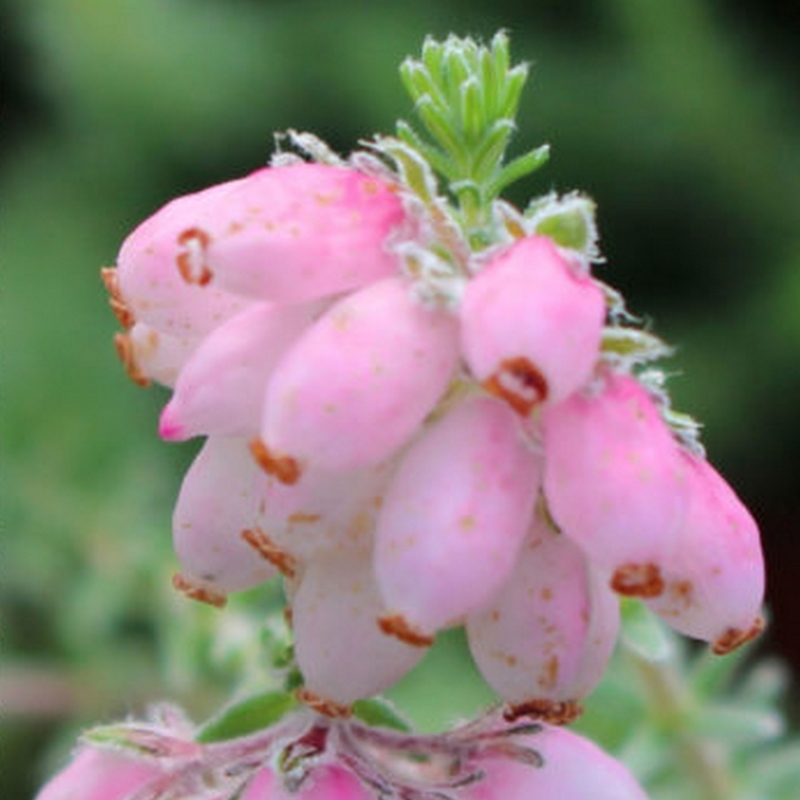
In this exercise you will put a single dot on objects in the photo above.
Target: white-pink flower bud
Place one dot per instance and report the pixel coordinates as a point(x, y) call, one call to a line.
point(531, 325)
point(286, 234)
point(340, 650)
point(218, 501)
point(95, 774)
point(454, 518)
point(614, 481)
point(220, 390)
point(358, 382)
point(715, 578)
point(150, 355)
point(544, 640)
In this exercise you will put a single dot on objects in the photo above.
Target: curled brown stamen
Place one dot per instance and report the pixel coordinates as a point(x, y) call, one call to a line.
point(322, 705)
point(118, 305)
point(127, 355)
point(397, 626)
point(266, 548)
point(284, 468)
point(556, 712)
point(519, 383)
point(638, 580)
point(192, 260)
point(197, 591)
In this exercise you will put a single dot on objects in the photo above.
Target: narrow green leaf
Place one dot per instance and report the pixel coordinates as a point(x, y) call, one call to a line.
point(644, 633)
point(518, 168)
point(473, 120)
point(381, 713)
point(249, 715)
point(439, 127)
point(512, 91)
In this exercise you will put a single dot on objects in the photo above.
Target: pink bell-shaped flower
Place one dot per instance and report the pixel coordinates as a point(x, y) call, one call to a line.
point(574, 769)
point(285, 234)
point(454, 518)
point(614, 481)
point(531, 325)
point(95, 774)
point(221, 388)
point(341, 652)
point(358, 383)
point(715, 577)
point(218, 503)
point(544, 640)
point(156, 280)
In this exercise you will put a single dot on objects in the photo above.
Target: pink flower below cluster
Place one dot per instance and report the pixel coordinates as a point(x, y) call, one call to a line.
point(409, 467)
point(306, 757)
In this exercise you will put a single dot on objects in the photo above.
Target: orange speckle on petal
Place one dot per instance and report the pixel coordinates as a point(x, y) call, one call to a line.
point(638, 580)
point(285, 562)
point(285, 468)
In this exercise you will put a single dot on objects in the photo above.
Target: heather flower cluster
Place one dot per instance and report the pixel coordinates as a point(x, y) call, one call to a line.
point(422, 409)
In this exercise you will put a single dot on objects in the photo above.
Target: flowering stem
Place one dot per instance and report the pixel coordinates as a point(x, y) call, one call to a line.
point(671, 705)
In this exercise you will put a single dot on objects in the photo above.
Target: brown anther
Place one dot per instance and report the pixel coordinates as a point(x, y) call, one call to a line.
point(736, 637)
point(556, 712)
point(197, 591)
point(519, 383)
point(397, 626)
point(322, 705)
point(288, 617)
point(638, 580)
point(192, 260)
point(120, 308)
point(127, 355)
point(266, 548)
point(284, 468)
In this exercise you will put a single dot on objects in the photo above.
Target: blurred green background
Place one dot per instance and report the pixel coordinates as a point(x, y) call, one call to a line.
point(680, 117)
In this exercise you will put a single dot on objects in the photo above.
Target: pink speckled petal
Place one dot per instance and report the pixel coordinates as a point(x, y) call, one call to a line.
point(614, 481)
point(715, 578)
point(149, 355)
point(220, 390)
point(286, 234)
point(219, 499)
point(455, 515)
point(341, 651)
point(574, 769)
point(544, 640)
point(360, 381)
point(531, 325)
point(149, 278)
point(95, 774)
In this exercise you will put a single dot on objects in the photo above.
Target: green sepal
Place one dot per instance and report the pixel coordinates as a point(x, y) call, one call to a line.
point(518, 168)
point(644, 633)
point(247, 716)
point(140, 740)
point(569, 222)
point(380, 713)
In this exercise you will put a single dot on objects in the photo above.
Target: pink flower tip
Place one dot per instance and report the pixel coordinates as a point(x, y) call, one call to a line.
point(168, 428)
